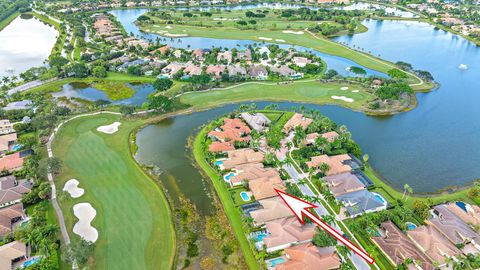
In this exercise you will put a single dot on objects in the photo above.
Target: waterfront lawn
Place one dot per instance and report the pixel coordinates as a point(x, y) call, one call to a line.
point(133, 217)
point(5, 22)
point(115, 90)
point(237, 198)
point(300, 91)
point(233, 213)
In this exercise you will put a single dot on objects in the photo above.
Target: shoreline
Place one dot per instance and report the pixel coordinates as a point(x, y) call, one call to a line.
point(6, 22)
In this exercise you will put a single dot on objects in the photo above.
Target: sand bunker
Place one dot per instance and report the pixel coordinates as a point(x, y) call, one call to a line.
point(175, 35)
point(71, 186)
point(344, 88)
point(264, 38)
point(168, 27)
point(293, 32)
point(109, 129)
point(355, 91)
point(85, 214)
point(344, 98)
point(280, 40)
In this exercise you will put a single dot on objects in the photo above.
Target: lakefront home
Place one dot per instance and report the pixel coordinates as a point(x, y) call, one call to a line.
point(257, 121)
point(309, 257)
point(272, 209)
point(330, 136)
point(297, 120)
point(287, 232)
point(336, 164)
point(264, 188)
point(343, 183)
point(242, 156)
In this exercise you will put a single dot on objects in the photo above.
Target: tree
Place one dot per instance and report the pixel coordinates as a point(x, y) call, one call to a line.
point(79, 252)
point(127, 110)
point(160, 102)
point(99, 72)
point(57, 61)
point(323, 239)
point(330, 74)
point(365, 158)
point(421, 208)
point(162, 84)
point(324, 168)
point(397, 73)
point(79, 70)
point(406, 188)
point(55, 165)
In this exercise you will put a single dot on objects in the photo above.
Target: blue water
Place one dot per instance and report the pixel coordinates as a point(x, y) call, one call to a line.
point(245, 196)
point(84, 91)
point(380, 198)
point(228, 176)
point(276, 261)
point(259, 237)
point(31, 262)
point(219, 162)
point(411, 226)
point(462, 205)
point(17, 147)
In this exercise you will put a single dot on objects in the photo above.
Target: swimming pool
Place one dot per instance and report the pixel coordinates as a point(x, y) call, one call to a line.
point(219, 162)
point(411, 226)
point(17, 147)
point(30, 262)
point(259, 237)
point(276, 261)
point(462, 205)
point(380, 198)
point(245, 196)
point(228, 176)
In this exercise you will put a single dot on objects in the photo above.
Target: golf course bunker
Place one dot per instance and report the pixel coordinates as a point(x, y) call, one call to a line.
point(355, 91)
point(85, 214)
point(264, 38)
point(293, 32)
point(109, 129)
point(280, 40)
point(71, 186)
point(344, 88)
point(344, 98)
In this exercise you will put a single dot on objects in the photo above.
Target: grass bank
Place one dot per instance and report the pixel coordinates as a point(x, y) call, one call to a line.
point(231, 211)
point(114, 90)
point(299, 91)
point(133, 216)
point(4, 23)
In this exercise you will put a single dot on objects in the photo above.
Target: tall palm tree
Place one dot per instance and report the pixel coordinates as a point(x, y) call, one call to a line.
point(406, 188)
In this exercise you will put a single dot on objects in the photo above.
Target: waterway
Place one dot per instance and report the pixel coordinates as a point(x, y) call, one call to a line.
point(435, 146)
point(25, 43)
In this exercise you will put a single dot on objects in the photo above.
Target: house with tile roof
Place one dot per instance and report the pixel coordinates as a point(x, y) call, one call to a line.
point(271, 209)
point(330, 136)
point(232, 130)
point(8, 217)
point(11, 254)
point(6, 127)
point(11, 162)
point(236, 71)
point(469, 214)
point(250, 171)
point(257, 121)
point(216, 71)
point(242, 156)
point(264, 188)
point(361, 202)
point(336, 164)
point(287, 232)
point(7, 141)
point(397, 247)
point(431, 242)
point(11, 192)
point(220, 147)
point(309, 257)
point(343, 183)
point(225, 56)
point(296, 120)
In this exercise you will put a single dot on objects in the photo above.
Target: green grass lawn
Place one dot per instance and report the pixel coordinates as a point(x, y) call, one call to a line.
point(115, 90)
point(232, 212)
point(237, 198)
point(5, 22)
point(306, 91)
point(133, 216)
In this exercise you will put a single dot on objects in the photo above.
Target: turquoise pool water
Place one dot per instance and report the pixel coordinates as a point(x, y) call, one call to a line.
point(259, 237)
point(31, 262)
point(411, 226)
point(462, 205)
point(228, 176)
point(276, 261)
point(245, 196)
point(16, 147)
point(380, 198)
point(219, 162)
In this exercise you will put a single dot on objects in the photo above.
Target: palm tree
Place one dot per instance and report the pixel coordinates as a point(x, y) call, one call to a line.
point(324, 168)
point(406, 188)
point(329, 219)
point(302, 182)
point(365, 158)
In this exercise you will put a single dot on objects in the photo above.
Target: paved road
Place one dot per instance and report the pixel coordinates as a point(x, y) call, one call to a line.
point(359, 263)
point(29, 85)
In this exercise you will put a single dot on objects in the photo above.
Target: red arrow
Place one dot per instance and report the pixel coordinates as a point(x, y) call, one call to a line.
point(300, 208)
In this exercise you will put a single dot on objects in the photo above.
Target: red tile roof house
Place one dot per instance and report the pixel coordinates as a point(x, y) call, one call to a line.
point(11, 162)
point(264, 188)
point(296, 120)
point(220, 147)
point(301, 61)
point(227, 55)
point(231, 130)
point(398, 248)
point(273, 208)
point(192, 70)
point(246, 55)
point(250, 171)
point(433, 244)
point(470, 216)
point(335, 163)
point(343, 183)
point(161, 50)
point(216, 71)
point(8, 217)
point(236, 71)
point(454, 229)
point(329, 136)
point(242, 156)
point(309, 257)
point(198, 54)
point(7, 141)
point(287, 232)
point(172, 69)
point(258, 72)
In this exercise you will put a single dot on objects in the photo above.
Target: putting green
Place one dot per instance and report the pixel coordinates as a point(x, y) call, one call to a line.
point(133, 216)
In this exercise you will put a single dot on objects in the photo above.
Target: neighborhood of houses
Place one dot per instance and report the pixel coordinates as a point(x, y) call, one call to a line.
point(232, 65)
point(15, 254)
point(240, 156)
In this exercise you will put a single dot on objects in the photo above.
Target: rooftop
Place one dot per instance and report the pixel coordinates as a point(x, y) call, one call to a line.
point(309, 257)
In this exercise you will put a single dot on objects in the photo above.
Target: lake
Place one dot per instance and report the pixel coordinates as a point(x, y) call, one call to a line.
point(435, 146)
point(25, 43)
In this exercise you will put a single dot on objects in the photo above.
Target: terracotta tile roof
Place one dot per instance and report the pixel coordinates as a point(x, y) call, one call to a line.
point(7, 141)
point(398, 247)
point(11, 162)
point(297, 120)
point(7, 215)
point(216, 71)
point(193, 70)
point(433, 243)
point(217, 146)
point(286, 232)
point(335, 163)
point(242, 156)
point(11, 251)
point(249, 171)
point(452, 227)
point(340, 184)
point(309, 257)
point(264, 188)
point(472, 216)
point(232, 130)
point(273, 208)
